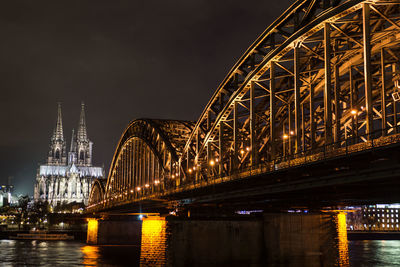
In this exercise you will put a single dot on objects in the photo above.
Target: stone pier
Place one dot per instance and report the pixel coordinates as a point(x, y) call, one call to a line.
point(273, 239)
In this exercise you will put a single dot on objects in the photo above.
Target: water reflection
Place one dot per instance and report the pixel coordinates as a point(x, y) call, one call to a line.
point(90, 255)
point(343, 248)
point(380, 253)
point(36, 253)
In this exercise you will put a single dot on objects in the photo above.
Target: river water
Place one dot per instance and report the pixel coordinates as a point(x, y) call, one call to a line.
point(72, 253)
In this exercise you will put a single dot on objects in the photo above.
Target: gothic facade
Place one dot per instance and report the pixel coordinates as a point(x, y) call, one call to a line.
point(67, 176)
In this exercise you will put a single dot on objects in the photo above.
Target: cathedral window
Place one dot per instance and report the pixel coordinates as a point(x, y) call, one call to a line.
point(57, 154)
point(82, 155)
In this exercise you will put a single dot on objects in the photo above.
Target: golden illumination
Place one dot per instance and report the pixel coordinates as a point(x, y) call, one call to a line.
point(291, 133)
point(138, 188)
point(248, 148)
point(285, 136)
point(131, 191)
point(92, 230)
point(153, 244)
point(90, 255)
point(342, 240)
point(212, 162)
point(156, 181)
point(190, 170)
point(353, 111)
point(147, 185)
point(216, 160)
point(242, 151)
point(173, 176)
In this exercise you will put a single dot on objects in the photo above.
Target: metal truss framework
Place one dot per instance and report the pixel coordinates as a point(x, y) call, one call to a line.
point(321, 76)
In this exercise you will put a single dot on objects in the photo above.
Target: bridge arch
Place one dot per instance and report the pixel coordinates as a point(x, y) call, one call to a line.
point(301, 87)
point(96, 194)
point(322, 78)
point(144, 160)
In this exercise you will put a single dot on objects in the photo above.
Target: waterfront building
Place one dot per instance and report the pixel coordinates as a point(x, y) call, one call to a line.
point(380, 217)
point(67, 177)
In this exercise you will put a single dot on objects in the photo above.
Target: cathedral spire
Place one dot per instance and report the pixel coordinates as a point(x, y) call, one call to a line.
point(57, 153)
point(58, 131)
point(73, 143)
point(82, 134)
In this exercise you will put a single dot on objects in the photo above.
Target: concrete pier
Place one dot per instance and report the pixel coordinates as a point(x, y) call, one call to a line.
point(273, 239)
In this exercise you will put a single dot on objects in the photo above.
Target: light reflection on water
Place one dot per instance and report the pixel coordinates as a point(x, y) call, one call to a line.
point(380, 253)
point(65, 253)
point(60, 253)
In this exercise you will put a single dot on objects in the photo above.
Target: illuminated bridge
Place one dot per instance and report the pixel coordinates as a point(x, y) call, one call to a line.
point(308, 115)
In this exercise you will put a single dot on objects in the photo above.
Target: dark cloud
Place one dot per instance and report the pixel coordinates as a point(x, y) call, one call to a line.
point(125, 59)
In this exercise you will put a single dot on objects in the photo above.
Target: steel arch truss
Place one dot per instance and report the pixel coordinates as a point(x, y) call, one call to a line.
point(96, 193)
point(323, 77)
point(309, 81)
point(144, 161)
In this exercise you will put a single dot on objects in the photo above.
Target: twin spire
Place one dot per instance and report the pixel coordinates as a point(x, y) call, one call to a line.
point(82, 134)
point(58, 134)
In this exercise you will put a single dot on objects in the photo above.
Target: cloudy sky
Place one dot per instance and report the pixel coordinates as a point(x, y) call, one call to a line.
point(124, 59)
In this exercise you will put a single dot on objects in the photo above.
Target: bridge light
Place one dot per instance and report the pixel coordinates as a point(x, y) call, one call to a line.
point(291, 133)
point(173, 176)
point(285, 136)
point(353, 111)
point(247, 148)
point(216, 160)
point(242, 151)
point(146, 185)
point(190, 170)
point(156, 181)
point(194, 168)
point(138, 188)
point(212, 162)
point(131, 191)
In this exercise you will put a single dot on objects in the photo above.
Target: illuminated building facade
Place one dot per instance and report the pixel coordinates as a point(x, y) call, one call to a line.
point(380, 217)
point(67, 177)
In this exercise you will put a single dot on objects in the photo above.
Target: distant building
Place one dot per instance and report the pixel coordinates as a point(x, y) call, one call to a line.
point(380, 217)
point(67, 177)
point(6, 197)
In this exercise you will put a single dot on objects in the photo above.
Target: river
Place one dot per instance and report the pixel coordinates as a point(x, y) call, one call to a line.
point(72, 253)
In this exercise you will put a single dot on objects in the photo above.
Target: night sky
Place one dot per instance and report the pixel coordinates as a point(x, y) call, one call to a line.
point(124, 59)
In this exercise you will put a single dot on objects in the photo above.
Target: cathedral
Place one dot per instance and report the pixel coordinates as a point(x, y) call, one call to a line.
point(67, 176)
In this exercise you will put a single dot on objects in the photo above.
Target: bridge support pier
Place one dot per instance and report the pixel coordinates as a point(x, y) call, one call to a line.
point(114, 231)
point(283, 239)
